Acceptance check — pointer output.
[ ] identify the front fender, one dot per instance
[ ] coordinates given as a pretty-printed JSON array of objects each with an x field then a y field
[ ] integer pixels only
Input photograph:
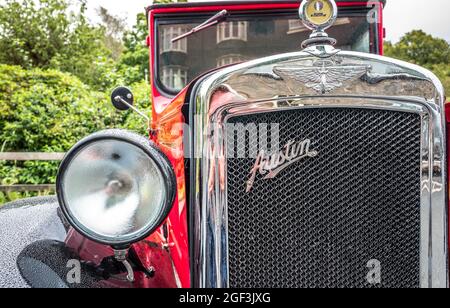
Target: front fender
[
  {"x": 34, "y": 252},
  {"x": 38, "y": 248},
  {"x": 23, "y": 223}
]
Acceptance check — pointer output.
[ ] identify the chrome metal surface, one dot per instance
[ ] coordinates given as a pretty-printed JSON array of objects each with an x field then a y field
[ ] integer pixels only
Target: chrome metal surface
[
  {"x": 121, "y": 256},
  {"x": 324, "y": 75},
  {"x": 318, "y": 28},
  {"x": 322, "y": 51},
  {"x": 319, "y": 36},
  {"x": 216, "y": 19},
  {"x": 108, "y": 187},
  {"x": 143, "y": 115},
  {"x": 115, "y": 187},
  {"x": 319, "y": 222},
  {"x": 270, "y": 165},
  {"x": 256, "y": 87}
]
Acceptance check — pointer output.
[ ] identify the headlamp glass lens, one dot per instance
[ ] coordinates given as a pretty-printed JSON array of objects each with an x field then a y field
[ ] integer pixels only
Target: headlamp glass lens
[{"x": 113, "y": 189}]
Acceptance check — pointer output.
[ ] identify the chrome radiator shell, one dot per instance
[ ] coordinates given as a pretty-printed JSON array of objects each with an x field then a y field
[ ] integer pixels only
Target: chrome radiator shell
[{"x": 369, "y": 81}]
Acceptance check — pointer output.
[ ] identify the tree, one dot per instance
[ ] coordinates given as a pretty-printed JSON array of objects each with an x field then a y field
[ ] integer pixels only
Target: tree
[
  {"x": 134, "y": 64},
  {"x": 56, "y": 73},
  {"x": 52, "y": 34},
  {"x": 425, "y": 50},
  {"x": 31, "y": 36},
  {"x": 45, "y": 111},
  {"x": 443, "y": 72},
  {"x": 420, "y": 48},
  {"x": 49, "y": 111},
  {"x": 114, "y": 28}
]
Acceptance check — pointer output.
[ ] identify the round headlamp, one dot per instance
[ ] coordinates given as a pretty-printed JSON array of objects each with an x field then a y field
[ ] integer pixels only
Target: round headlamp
[{"x": 115, "y": 187}]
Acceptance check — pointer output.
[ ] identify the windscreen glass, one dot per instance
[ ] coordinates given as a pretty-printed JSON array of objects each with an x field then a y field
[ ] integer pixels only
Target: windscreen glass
[{"x": 244, "y": 38}]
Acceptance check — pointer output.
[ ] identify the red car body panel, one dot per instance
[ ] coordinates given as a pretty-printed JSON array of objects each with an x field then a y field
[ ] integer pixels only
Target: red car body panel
[
  {"x": 167, "y": 250},
  {"x": 447, "y": 123},
  {"x": 167, "y": 113}
]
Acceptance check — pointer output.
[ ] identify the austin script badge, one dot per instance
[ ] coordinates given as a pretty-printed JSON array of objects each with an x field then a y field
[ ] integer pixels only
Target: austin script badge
[{"x": 270, "y": 165}]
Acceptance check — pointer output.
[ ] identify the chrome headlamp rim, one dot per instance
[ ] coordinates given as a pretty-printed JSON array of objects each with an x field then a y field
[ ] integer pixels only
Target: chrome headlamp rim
[{"x": 152, "y": 151}]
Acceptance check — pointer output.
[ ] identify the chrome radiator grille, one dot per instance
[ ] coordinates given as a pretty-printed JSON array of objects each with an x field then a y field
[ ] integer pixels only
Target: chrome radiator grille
[{"x": 324, "y": 219}]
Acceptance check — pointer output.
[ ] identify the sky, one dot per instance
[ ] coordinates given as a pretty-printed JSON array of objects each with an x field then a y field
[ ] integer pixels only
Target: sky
[{"x": 400, "y": 16}]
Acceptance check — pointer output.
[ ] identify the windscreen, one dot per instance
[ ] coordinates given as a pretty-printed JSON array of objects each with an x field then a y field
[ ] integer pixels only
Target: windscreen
[{"x": 243, "y": 38}]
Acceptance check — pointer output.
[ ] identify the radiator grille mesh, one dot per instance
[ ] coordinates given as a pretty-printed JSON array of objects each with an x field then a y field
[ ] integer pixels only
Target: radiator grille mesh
[{"x": 320, "y": 222}]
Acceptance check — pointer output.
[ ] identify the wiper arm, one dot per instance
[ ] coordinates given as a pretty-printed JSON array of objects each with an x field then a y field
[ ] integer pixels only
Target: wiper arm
[{"x": 219, "y": 17}]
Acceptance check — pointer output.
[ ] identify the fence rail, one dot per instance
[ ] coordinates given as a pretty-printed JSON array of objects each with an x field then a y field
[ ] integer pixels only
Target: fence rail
[
  {"x": 20, "y": 156},
  {"x": 27, "y": 188},
  {"x": 32, "y": 156}
]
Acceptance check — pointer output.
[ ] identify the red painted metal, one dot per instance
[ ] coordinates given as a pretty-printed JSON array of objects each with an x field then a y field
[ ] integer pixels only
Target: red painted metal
[
  {"x": 167, "y": 250},
  {"x": 381, "y": 29},
  {"x": 160, "y": 100},
  {"x": 150, "y": 253},
  {"x": 163, "y": 107},
  {"x": 447, "y": 116},
  {"x": 168, "y": 125}
]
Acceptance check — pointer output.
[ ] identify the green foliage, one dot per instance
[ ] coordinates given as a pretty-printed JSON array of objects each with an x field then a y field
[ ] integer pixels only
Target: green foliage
[
  {"x": 442, "y": 71},
  {"x": 32, "y": 36},
  {"x": 420, "y": 48},
  {"x": 44, "y": 34},
  {"x": 425, "y": 50},
  {"x": 45, "y": 111},
  {"x": 132, "y": 120},
  {"x": 134, "y": 63},
  {"x": 58, "y": 71},
  {"x": 12, "y": 196},
  {"x": 114, "y": 28},
  {"x": 49, "y": 111},
  {"x": 37, "y": 104}
]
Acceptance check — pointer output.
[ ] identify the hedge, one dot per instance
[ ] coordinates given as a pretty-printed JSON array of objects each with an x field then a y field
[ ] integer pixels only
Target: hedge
[{"x": 49, "y": 111}]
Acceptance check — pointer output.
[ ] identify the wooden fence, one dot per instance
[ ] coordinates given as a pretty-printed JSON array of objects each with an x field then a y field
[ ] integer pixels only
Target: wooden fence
[{"x": 29, "y": 157}]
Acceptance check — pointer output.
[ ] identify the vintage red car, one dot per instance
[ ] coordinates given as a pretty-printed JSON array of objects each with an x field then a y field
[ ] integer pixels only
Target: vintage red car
[{"x": 275, "y": 158}]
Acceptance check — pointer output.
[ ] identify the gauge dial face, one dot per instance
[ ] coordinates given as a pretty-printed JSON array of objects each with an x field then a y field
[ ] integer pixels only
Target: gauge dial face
[{"x": 318, "y": 14}]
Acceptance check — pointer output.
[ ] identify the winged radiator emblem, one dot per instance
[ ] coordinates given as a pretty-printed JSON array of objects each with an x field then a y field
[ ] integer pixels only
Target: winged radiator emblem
[{"x": 324, "y": 76}]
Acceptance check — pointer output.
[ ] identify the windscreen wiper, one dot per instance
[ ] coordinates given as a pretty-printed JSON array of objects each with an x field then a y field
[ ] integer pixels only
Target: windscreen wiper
[{"x": 216, "y": 19}]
